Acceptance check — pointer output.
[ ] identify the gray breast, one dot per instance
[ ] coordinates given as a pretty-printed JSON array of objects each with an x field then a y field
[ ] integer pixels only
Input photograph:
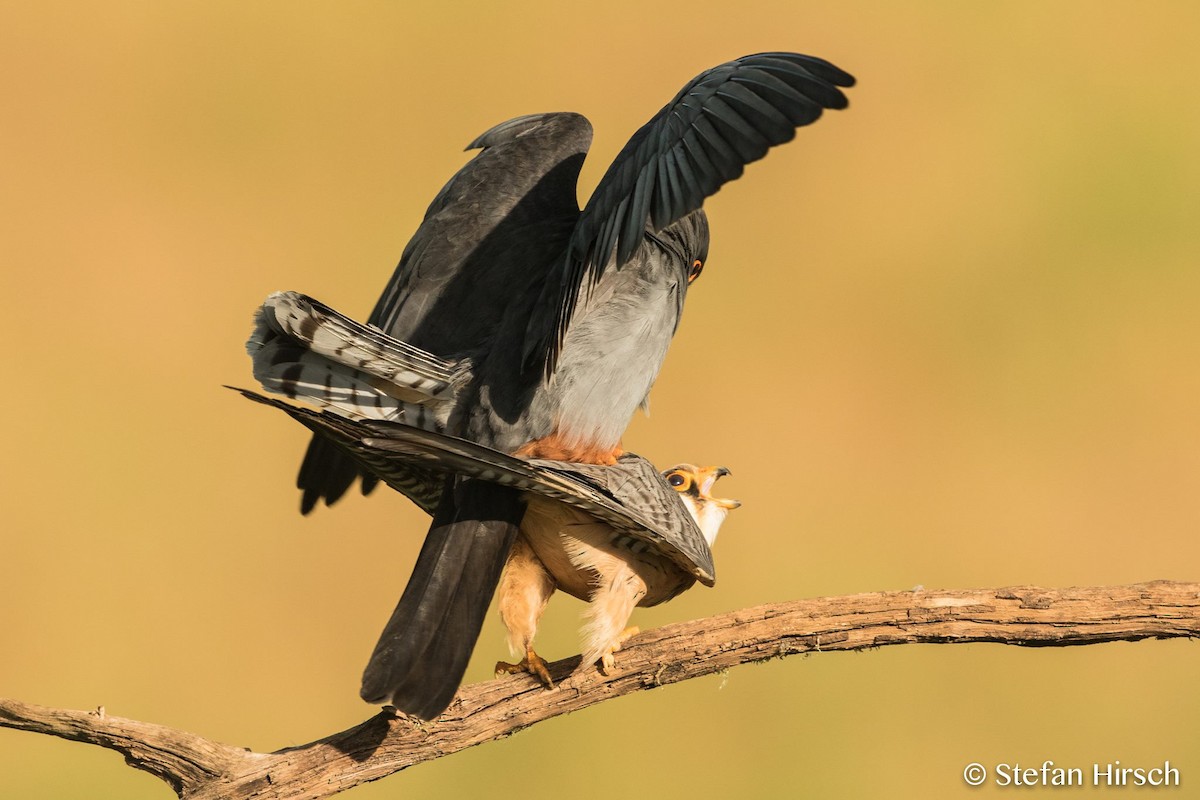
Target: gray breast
[{"x": 613, "y": 351}]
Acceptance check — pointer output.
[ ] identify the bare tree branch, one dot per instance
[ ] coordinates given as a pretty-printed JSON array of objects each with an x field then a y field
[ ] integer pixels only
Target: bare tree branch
[
  {"x": 1026, "y": 615},
  {"x": 182, "y": 759}
]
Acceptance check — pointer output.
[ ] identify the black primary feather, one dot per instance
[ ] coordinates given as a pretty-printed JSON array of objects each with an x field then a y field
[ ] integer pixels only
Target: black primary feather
[{"x": 722, "y": 120}]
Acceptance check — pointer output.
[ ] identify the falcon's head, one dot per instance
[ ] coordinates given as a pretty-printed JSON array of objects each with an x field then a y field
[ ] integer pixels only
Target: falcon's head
[{"x": 694, "y": 485}]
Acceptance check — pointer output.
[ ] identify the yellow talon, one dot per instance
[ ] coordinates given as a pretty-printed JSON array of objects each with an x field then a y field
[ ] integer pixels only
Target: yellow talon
[
  {"x": 531, "y": 663},
  {"x": 632, "y": 630},
  {"x": 607, "y": 661}
]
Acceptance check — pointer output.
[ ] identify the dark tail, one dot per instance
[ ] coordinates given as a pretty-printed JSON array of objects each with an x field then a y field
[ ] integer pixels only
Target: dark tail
[
  {"x": 326, "y": 473},
  {"x": 423, "y": 651}
]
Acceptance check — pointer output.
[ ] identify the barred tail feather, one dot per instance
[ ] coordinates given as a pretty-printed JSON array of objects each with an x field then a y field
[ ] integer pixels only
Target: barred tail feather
[
  {"x": 286, "y": 368},
  {"x": 305, "y": 350},
  {"x": 341, "y": 339}
]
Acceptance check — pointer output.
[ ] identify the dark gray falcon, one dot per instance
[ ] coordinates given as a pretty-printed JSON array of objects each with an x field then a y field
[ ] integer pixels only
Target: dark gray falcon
[
  {"x": 615, "y": 536},
  {"x": 556, "y": 319}
]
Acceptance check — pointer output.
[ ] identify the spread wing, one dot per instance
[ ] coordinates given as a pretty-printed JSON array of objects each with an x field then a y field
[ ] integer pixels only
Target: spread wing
[
  {"x": 506, "y": 214},
  {"x": 631, "y": 496},
  {"x": 722, "y": 120}
]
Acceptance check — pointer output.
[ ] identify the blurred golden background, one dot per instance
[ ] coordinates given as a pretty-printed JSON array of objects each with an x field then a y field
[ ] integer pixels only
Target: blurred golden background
[{"x": 963, "y": 315}]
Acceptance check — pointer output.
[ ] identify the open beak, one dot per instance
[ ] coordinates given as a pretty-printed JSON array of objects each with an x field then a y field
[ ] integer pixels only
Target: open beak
[{"x": 708, "y": 477}]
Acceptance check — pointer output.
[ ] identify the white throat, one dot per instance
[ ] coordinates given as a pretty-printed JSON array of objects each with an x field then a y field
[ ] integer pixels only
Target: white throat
[{"x": 708, "y": 517}]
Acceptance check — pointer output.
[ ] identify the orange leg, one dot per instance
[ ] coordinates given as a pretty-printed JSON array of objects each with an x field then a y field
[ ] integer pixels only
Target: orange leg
[{"x": 525, "y": 588}]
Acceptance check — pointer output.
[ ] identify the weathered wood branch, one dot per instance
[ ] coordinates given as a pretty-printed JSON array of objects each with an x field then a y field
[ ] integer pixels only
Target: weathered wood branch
[{"x": 1026, "y": 615}]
